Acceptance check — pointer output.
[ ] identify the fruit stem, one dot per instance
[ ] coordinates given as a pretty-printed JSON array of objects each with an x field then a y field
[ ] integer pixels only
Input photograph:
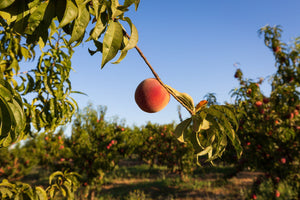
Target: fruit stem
[{"x": 157, "y": 77}]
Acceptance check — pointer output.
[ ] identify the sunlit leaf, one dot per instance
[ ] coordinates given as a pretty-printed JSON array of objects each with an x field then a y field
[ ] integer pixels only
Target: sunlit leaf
[
  {"x": 133, "y": 36},
  {"x": 99, "y": 27},
  {"x": 184, "y": 97},
  {"x": 36, "y": 17},
  {"x": 80, "y": 24},
  {"x": 112, "y": 42},
  {"x": 205, "y": 151},
  {"x": 70, "y": 13}
]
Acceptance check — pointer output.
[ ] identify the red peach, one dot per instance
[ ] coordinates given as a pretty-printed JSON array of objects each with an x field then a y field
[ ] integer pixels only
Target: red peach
[
  {"x": 283, "y": 160},
  {"x": 258, "y": 103},
  {"x": 277, "y": 193},
  {"x": 151, "y": 96}
]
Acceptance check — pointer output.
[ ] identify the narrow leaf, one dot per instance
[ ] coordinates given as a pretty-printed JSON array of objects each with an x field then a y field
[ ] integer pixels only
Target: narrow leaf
[
  {"x": 205, "y": 151},
  {"x": 35, "y": 18},
  {"x": 112, "y": 42},
  {"x": 180, "y": 129},
  {"x": 5, "y": 3},
  {"x": 99, "y": 27},
  {"x": 81, "y": 23},
  {"x": 70, "y": 14},
  {"x": 184, "y": 97},
  {"x": 133, "y": 37}
]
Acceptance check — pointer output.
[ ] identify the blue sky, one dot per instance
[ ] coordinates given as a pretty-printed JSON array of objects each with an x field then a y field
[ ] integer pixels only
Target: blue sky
[{"x": 193, "y": 46}]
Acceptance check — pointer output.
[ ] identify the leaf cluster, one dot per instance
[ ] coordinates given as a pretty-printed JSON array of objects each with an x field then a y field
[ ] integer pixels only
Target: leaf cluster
[
  {"x": 65, "y": 183},
  {"x": 209, "y": 126},
  {"x": 33, "y": 19}
]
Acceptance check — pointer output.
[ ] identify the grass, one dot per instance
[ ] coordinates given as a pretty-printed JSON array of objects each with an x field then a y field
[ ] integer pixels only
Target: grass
[
  {"x": 140, "y": 182},
  {"x": 143, "y": 182}
]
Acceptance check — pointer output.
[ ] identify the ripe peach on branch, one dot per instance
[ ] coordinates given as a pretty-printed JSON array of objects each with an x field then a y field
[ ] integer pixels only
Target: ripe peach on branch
[{"x": 151, "y": 96}]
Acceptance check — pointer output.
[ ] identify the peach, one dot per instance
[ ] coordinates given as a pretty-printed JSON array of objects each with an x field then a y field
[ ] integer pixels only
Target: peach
[{"x": 151, "y": 96}]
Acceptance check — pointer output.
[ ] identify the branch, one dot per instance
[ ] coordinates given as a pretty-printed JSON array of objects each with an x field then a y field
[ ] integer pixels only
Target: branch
[{"x": 158, "y": 78}]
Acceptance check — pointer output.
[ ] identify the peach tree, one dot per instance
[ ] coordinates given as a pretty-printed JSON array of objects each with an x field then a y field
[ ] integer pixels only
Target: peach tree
[
  {"x": 270, "y": 123},
  {"x": 57, "y": 27},
  {"x": 160, "y": 147}
]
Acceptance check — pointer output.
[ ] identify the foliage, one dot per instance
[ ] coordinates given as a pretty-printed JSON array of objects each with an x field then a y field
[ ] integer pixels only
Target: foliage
[
  {"x": 65, "y": 183},
  {"x": 15, "y": 163},
  {"x": 32, "y": 19},
  {"x": 49, "y": 83},
  {"x": 160, "y": 147},
  {"x": 211, "y": 126},
  {"x": 269, "y": 124}
]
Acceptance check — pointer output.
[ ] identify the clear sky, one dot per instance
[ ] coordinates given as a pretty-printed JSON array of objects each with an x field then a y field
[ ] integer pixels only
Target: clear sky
[{"x": 193, "y": 46}]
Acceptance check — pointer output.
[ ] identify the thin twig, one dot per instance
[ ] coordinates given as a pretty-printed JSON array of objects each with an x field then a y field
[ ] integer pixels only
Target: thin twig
[{"x": 157, "y": 77}]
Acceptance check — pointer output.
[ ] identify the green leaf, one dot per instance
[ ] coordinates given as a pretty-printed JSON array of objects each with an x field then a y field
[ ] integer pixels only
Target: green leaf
[
  {"x": 122, "y": 56},
  {"x": 5, "y": 3},
  {"x": 60, "y": 8},
  {"x": 12, "y": 114},
  {"x": 196, "y": 143},
  {"x": 30, "y": 84},
  {"x": 137, "y": 2},
  {"x": 35, "y": 18},
  {"x": 128, "y": 3},
  {"x": 200, "y": 123},
  {"x": 112, "y": 42},
  {"x": 186, "y": 99},
  {"x": 80, "y": 24},
  {"x": 123, "y": 53},
  {"x": 6, "y": 116},
  {"x": 181, "y": 128},
  {"x": 99, "y": 27},
  {"x": 205, "y": 151},
  {"x": 115, "y": 9},
  {"x": 133, "y": 37},
  {"x": 220, "y": 118},
  {"x": 18, "y": 115},
  {"x": 70, "y": 13},
  {"x": 54, "y": 176},
  {"x": 99, "y": 47}
]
